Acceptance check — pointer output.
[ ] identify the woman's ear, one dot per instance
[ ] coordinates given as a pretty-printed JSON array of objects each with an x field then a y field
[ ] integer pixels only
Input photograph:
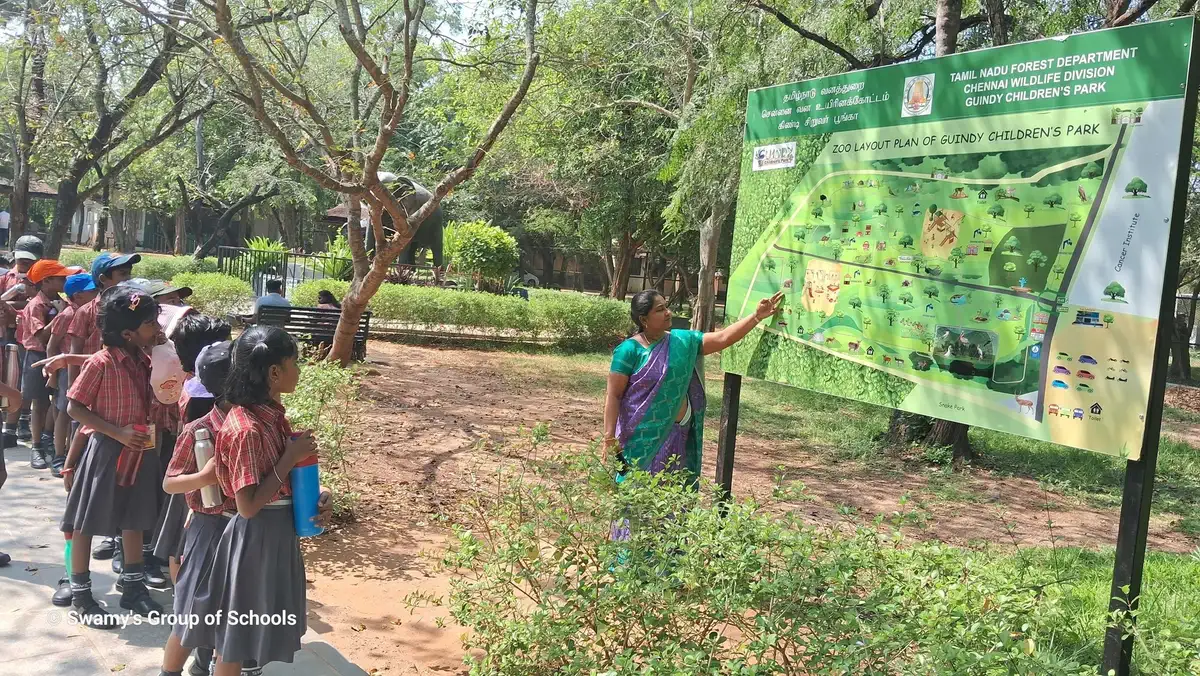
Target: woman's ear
[{"x": 128, "y": 336}]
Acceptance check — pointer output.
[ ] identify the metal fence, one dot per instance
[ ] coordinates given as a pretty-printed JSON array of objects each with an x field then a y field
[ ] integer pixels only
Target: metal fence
[{"x": 257, "y": 267}]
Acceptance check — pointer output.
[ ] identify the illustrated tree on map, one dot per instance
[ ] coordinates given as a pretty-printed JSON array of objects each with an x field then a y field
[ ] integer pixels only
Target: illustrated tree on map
[
  {"x": 1114, "y": 291},
  {"x": 884, "y": 292},
  {"x": 1028, "y": 210},
  {"x": 996, "y": 211},
  {"x": 1059, "y": 271},
  {"x": 956, "y": 255},
  {"x": 1037, "y": 259},
  {"x": 1053, "y": 200},
  {"x": 906, "y": 241},
  {"x": 866, "y": 323},
  {"x": 1108, "y": 320},
  {"x": 856, "y": 303},
  {"x": 817, "y": 212},
  {"x": 836, "y": 245},
  {"x": 1136, "y": 187},
  {"x": 987, "y": 230},
  {"x": 997, "y": 300},
  {"x": 917, "y": 261},
  {"x": 1075, "y": 217},
  {"x": 1019, "y": 331},
  {"x": 881, "y": 209},
  {"x": 891, "y": 317},
  {"x": 1012, "y": 244},
  {"x": 1010, "y": 267},
  {"x": 906, "y": 298},
  {"x": 931, "y": 291},
  {"x": 1092, "y": 170},
  {"x": 899, "y": 208},
  {"x": 933, "y": 208}
]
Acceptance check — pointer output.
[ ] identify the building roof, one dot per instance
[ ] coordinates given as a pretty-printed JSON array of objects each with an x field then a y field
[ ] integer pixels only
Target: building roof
[{"x": 36, "y": 188}]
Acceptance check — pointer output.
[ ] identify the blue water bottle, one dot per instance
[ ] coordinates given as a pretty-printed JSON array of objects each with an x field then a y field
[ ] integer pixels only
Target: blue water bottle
[{"x": 306, "y": 490}]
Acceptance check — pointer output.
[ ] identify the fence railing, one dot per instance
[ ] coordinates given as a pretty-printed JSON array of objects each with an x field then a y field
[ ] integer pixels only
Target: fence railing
[{"x": 257, "y": 267}]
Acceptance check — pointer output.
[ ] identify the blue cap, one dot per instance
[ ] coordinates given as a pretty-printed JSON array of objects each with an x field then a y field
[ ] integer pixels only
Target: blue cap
[
  {"x": 106, "y": 261},
  {"x": 79, "y": 283}
]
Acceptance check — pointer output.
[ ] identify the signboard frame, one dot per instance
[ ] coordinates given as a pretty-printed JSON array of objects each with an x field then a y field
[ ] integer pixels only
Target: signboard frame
[{"x": 1137, "y": 495}]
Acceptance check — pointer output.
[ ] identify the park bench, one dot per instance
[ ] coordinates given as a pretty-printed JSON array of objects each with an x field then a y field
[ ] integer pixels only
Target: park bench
[{"x": 315, "y": 326}]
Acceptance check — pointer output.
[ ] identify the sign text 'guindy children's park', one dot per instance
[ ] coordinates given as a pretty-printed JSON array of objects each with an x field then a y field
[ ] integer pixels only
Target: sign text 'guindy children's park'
[{"x": 979, "y": 237}]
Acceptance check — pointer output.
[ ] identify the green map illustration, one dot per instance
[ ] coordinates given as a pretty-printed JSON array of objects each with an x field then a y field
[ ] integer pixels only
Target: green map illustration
[{"x": 1003, "y": 270}]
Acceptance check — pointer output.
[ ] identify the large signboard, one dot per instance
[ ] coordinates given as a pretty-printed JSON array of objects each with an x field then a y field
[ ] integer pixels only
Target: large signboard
[{"x": 980, "y": 237}]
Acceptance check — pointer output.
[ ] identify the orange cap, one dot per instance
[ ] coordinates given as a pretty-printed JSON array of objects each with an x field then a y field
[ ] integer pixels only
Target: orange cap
[{"x": 44, "y": 268}]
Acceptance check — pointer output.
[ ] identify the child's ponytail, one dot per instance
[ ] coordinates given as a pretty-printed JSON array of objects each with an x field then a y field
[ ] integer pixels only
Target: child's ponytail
[{"x": 254, "y": 353}]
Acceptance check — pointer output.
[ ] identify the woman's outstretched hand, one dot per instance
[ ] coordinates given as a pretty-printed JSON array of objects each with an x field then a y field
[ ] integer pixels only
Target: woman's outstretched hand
[{"x": 768, "y": 306}]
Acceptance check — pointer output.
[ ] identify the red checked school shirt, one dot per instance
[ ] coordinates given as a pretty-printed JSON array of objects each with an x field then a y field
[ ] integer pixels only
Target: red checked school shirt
[
  {"x": 59, "y": 326},
  {"x": 115, "y": 385},
  {"x": 37, "y": 315},
  {"x": 184, "y": 459},
  {"x": 248, "y": 446},
  {"x": 7, "y": 281},
  {"x": 84, "y": 326}
]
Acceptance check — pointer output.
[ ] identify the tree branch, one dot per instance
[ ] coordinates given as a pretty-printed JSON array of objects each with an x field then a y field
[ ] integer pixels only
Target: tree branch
[
  {"x": 1131, "y": 14},
  {"x": 854, "y": 62},
  {"x": 1186, "y": 8},
  {"x": 641, "y": 104}
]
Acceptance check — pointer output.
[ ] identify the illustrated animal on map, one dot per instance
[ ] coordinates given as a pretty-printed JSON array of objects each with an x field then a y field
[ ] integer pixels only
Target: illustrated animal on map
[
  {"x": 853, "y": 346},
  {"x": 887, "y": 360},
  {"x": 1023, "y": 404}
]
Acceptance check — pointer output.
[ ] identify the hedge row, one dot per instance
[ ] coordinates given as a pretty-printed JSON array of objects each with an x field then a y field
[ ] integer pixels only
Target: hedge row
[
  {"x": 152, "y": 266},
  {"x": 570, "y": 320},
  {"x": 216, "y": 294}
]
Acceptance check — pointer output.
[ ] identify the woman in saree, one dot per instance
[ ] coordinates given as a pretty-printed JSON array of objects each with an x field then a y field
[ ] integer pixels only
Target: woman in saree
[{"x": 654, "y": 410}]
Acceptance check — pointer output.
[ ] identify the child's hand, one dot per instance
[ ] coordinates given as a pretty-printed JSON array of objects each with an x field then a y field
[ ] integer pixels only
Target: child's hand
[
  {"x": 68, "y": 479},
  {"x": 300, "y": 446},
  {"x": 324, "y": 509},
  {"x": 132, "y": 438},
  {"x": 209, "y": 473}
]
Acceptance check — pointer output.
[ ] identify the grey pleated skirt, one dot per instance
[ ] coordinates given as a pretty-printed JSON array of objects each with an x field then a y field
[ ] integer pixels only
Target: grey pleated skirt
[
  {"x": 257, "y": 569},
  {"x": 96, "y": 505},
  {"x": 200, "y": 542},
  {"x": 168, "y": 534}
]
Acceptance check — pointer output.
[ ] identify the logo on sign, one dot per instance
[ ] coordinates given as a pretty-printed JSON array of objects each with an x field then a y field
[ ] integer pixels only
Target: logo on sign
[
  {"x": 777, "y": 156},
  {"x": 918, "y": 96}
]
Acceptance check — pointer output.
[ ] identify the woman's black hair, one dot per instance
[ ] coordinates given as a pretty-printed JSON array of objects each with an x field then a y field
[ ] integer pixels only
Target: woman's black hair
[
  {"x": 123, "y": 308},
  {"x": 327, "y": 298},
  {"x": 193, "y": 333},
  {"x": 254, "y": 353},
  {"x": 641, "y": 305}
]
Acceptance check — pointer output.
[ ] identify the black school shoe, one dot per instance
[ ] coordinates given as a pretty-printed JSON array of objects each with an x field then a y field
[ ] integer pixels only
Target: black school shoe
[
  {"x": 62, "y": 596},
  {"x": 135, "y": 597},
  {"x": 154, "y": 574},
  {"x": 107, "y": 548},
  {"x": 202, "y": 664},
  {"x": 23, "y": 431},
  {"x": 91, "y": 614},
  {"x": 9, "y": 440},
  {"x": 56, "y": 466},
  {"x": 5, "y": 559},
  {"x": 118, "y": 560},
  {"x": 37, "y": 458}
]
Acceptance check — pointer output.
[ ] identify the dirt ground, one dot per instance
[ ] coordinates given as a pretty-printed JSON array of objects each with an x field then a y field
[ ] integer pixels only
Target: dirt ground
[{"x": 426, "y": 420}]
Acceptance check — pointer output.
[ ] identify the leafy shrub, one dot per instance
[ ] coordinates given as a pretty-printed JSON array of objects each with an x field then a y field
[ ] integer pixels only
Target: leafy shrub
[
  {"x": 325, "y": 401},
  {"x": 484, "y": 250},
  {"x": 572, "y": 320},
  {"x": 264, "y": 253},
  {"x": 338, "y": 263},
  {"x": 168, "y": 267},
  {"x": 216, "y": 294},
  {"x": 698, "y": 589},
  {"x": 152, "y": 266}
]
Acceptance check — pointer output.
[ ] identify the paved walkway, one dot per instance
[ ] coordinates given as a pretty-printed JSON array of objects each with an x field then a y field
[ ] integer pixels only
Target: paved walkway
[{"x": 35, "y": 637}]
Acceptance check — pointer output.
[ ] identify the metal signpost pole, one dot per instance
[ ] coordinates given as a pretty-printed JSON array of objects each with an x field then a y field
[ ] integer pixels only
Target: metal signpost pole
[
  {"x": 730, "y": 402},
  {"x": 1139, "y": 474}
]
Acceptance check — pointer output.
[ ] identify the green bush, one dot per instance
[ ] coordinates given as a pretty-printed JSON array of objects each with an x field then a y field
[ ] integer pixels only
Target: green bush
[
  {"x": 264, "y": 253},
  {"x": 216, "y": 294},
  {"x": 572, "y": 320},
  {"x": 325, "y": 401},
  {"x": 484, "y": 250},
  {"x": 702, "y": 589},
  {"x": 152, "y": 266},
  {"x": 339, "y": 264}
]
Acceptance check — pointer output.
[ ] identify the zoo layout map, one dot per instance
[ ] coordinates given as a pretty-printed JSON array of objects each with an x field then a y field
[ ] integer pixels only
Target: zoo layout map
[{"x": 979, "y": 238}]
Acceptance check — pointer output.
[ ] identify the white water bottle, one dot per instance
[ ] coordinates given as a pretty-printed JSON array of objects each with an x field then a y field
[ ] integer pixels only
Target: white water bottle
[{"x": 210, "y": 496}]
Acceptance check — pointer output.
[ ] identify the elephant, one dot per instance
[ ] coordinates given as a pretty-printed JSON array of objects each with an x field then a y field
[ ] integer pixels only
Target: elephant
[{"x": 412, "y": 196}]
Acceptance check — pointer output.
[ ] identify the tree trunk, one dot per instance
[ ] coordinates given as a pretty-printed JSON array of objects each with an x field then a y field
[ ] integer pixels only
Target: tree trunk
[
  {"x": 353, "y": 306},
  {"x": 706, "y": 293},
  {"x": 907, "y": 428},
  {"x": 622, "y": 267},
  {"x": 19, "y": 209},
  {"x": 227, "y": 217},
  {"x": 64, "y": 210}
]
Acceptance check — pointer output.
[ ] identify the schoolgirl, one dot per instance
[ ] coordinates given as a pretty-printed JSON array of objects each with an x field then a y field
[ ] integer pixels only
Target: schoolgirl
[
  {"x": 258, "y": 568},
  {"x": 193, "y": 333},
  {"x": 205, "y": 525},
  {"x": 46, "y": 277},
  {"x": 114, "y": 486},
  {"x": 80, "y": 290}
]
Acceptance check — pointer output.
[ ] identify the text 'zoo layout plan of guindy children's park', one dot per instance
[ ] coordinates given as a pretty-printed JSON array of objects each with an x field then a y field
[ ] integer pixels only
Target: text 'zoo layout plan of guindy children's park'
[{"x": 979, "y": 238}]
